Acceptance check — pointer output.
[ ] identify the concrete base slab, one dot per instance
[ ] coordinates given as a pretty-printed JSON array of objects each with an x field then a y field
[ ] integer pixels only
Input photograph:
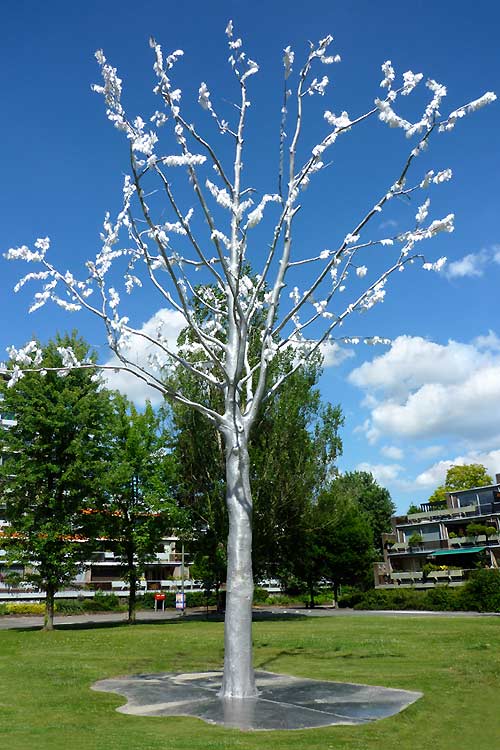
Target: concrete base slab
[{"x": 284, "y": 702}]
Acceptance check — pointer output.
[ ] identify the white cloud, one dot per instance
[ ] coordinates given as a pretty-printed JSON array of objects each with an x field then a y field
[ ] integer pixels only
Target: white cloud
[
  {"x": 433, "y": 476},
  {"x": 333, "y": 354},
  {"x": 436, "y": 474},
  {"x": 388, "y": 224},
  {"x": 466, "y": 409},
  {"x": 426, "y": 389},
  {"x": 491, "y": 341},
  {"x": 473, "y": 264},
  {"x": 392, "y": 451},
  {"x": 429, "y": 451},
  {"x": 383, "y": 473},
  {"x": 413, "y": 361},
  {"x": 170, "y": 323}
]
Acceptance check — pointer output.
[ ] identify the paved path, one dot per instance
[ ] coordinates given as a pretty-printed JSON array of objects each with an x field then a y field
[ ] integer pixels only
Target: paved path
[
  {"x": 330, "y": 612},
  {"x": 10, "y": 623},
  {"x": 34, "y": 621}
]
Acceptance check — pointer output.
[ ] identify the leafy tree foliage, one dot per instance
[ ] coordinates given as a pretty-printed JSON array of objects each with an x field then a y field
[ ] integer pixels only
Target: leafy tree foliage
[
  {"x": 360, "y": 487},
  {"x": 478, "y": 529},
  {"x": 438, "y": 497},
  {"x": 292, "y": 453},
  {"x": 200, "y": 484},
  {"x": 139, "y": 510},
  {"x": 461, "y": 478},
  {"x": 464, "y": 477},
  {"x": 337, "y": 544},
  {"x": 55, "y": 470},
  {"x": 415, "y": 539}
]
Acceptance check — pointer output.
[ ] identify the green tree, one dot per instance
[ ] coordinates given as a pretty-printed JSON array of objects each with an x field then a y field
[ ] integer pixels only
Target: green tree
[
  {"x": 140, "y": 509},
  {"x": 293, "y": 451},
  {"x": 55, "y": 472},
  {"x": 200, "y": 484},
  {"x": 415, "y": 540},
  {"x": 480, "y": 529},
  {"x": 461, "y": 478},
  {"x": 438, "y": 497},
  {"x": 466, "y": 476},
  {"x": 337, "y": 544},
  {"x": 293, "y": 455},
  {"x": 360, "y": 487}
]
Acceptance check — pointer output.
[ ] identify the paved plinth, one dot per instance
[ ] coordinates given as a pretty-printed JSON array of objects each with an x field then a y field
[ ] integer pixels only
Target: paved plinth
[{"x": 284, "y": 702}]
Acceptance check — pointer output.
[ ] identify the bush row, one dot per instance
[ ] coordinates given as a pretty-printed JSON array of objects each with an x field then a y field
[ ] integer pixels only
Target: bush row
[
  {"x": 99, "y": 603},
  {"x": 103, "y": 602},
  {"x": 481, "y": 593}
]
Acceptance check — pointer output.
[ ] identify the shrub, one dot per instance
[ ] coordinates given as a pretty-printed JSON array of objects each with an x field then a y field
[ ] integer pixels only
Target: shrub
[
  {"x": 260, "y": 595},
  {"x": 25, "y": 608},
  {"x": 283, "y": 600},
  {"x": 443, "y": 598},
  {"x": 392, "y": 599},
  {"x": 193, "y": 599},
  {"x": 351, "y": 598},
  {"x": 147, "y": 600},
  {"x": 415, "y": 540},
  {"x": 102, "y": 602},
  {"x": 70, "y": 606},
  {"x": 482, "y": 591}
]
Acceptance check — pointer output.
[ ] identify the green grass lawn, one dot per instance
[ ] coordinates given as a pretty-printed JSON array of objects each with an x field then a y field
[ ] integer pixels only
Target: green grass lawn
[{"x": 46, "y": 701}]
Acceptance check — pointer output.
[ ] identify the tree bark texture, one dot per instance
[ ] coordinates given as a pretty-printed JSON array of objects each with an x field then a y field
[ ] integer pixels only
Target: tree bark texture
[
  {"x": 132, "y": 597},
  {"x": 48, "y": 619}
]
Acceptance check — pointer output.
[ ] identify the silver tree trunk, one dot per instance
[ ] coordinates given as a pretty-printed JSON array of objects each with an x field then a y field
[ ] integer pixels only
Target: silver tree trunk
[{"x": 238, "y": 680}]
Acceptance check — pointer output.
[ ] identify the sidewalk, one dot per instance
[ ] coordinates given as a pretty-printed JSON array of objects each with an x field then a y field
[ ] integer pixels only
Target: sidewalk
[{"x": 8, "y": 622}]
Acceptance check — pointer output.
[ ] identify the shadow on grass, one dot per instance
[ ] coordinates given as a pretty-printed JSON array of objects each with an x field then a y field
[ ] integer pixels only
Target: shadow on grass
[
  {"x": 279, "y": 616},
  {"x": 258, "y": 616},
  {"x": 266, "y": 663}
]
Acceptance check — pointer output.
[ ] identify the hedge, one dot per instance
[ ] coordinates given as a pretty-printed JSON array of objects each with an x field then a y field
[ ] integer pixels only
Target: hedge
[{"x": 480, "y": 593}]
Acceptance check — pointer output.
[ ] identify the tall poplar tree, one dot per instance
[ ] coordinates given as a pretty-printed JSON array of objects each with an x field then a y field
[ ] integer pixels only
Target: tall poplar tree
[
  {"x": 292, "y": 451},
  {"x": 139, "y": 510}
]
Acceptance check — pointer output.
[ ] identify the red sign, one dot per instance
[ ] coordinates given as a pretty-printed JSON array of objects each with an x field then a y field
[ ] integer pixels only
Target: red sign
[{"x": 159, "y": 597}]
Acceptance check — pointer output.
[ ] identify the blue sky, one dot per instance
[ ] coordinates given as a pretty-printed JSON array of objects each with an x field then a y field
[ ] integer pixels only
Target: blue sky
[{"x": 432, "y": 397}]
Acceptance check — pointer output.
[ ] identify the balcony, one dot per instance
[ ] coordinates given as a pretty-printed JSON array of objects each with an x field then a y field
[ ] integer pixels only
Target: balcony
[
  {"x": 472, "y": 541},
  {"x": 468, "y": 510},
  {"x": 455, "y": 544},
  {"x": 403, "y": 548},
  {"x": 415, "y": 579},
  {"x": 170, "y": 557}
]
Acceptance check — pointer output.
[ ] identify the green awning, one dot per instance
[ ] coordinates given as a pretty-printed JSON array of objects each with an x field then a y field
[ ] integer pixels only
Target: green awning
[{"x": 464, "y": 551}]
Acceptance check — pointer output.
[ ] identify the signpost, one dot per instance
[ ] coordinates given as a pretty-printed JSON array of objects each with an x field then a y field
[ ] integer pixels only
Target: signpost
[{"x": 160, "y": 599}]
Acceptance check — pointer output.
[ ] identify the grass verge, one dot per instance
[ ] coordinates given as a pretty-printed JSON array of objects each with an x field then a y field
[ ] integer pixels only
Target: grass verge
[{"x": 46, "y": 701}]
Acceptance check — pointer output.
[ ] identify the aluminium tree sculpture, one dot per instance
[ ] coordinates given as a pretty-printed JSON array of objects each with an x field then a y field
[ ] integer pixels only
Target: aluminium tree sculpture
[{"x": 223, "y": 302}]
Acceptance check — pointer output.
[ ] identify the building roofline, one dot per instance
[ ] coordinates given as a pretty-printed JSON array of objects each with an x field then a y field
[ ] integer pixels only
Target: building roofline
[{"x": 473, "y": 489}]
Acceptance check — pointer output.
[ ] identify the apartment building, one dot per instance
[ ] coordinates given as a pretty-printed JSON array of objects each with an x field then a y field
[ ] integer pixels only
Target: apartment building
[
  {"x": 105, "y": 569},
  {"x": 443, "y": 542}
]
